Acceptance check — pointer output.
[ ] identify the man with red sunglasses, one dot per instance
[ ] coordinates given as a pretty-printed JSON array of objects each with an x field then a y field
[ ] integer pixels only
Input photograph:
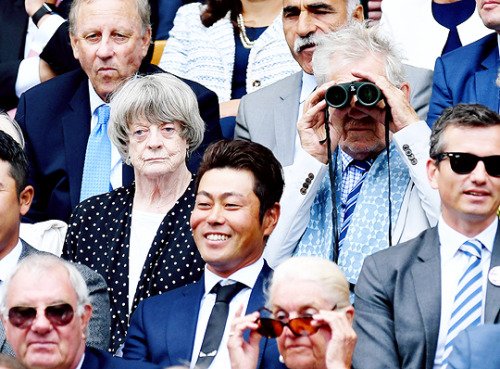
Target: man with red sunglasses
[
  {"x": 46, "y": 309},
  {"x": 412, "y": 300}
]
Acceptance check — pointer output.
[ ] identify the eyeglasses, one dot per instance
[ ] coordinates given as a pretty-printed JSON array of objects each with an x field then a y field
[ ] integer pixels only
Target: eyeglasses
[
  {"x": 464, "y": 163},
  {"x": 23, "y": 316},
  {"x": 272, "y": 328}
]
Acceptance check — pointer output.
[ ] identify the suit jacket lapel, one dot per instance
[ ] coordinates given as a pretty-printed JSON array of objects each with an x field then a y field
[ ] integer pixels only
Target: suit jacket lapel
[
  {"x": 76, "y": 130},
  {"x": 427, "y": 282},
  {"x": 285, "y": 116},
  {"x": 492, "y": 306},
  {"x": 186, "y": 308},
  {"x": 486, "y": 77}
]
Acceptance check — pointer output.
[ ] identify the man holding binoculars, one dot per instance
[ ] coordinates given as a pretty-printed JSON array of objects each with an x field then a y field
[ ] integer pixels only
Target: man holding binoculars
[{"x": 364, "y": 80}]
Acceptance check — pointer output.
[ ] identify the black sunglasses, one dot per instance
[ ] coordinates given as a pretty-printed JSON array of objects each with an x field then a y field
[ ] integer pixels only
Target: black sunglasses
[
  {"x": 23, "y": 316},
  {"x": 464, "y": 163},
  {"x": 272, "y": 328}
]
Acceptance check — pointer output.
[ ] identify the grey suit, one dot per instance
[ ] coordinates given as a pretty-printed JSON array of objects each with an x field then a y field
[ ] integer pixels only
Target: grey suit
[
  {"x": 99, "y": 332},
  {"x": 269, "y": 116},
  {"x": 398, "y": 304}
]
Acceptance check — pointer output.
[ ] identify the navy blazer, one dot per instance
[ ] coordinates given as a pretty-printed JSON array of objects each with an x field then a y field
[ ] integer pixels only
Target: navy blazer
[
  {"x": 162, "y": 329},
  {"x": 55, "y": 119},
  {"x": 466, "y": 75},
  {"x": 97, "y": 359}
]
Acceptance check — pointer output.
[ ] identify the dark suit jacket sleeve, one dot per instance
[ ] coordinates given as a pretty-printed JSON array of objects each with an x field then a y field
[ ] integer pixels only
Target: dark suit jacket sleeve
[
  {"x": 136, "y": 343},
  {"x": 58, "y": 52},
  {"x": 8, "y": 77},
  {"x": 440, "y": 98},
  {"x": 99, "y": 331},
  {"x": 373, "y": 321},
  {"x": 460, "y": 356}
]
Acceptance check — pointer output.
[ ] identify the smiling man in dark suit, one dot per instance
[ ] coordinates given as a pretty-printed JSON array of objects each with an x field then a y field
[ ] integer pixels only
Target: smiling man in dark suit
[
  {"x": 239, "y": 186},
  {"x": 413, "y": 299},
  {"x": 59, "y": 118}
]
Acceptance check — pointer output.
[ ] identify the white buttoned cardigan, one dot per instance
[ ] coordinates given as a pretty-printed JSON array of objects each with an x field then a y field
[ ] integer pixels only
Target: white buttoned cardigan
[{"x": 206, "y": 55}]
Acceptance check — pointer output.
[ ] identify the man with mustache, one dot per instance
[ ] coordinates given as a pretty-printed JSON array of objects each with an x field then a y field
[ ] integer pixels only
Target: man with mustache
[{"x": 361, "y": 169}]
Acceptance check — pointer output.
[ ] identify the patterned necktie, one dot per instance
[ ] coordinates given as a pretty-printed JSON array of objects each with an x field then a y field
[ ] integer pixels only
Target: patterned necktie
[
  {"x": 217, "y": 323},
  {"x": 469, "y": 296},
  {"x": 97, "y": 167},
  {"x": 364, "y": 166}
]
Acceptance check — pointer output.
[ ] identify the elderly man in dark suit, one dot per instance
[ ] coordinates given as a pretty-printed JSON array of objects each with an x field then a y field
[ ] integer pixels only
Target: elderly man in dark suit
[
  {"x": 413, "y": 299},
  {"x": 239, "y": 186},
  {"x": 64, "y": 120},
  {"x": 45, "y": 310},
  {"x": 15, "y": 200}
]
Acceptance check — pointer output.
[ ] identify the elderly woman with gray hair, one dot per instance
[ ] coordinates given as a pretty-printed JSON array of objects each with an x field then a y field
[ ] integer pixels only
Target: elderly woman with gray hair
[
  {"x": 309, "y": 314},
  {"x": 138, "y": 236}
]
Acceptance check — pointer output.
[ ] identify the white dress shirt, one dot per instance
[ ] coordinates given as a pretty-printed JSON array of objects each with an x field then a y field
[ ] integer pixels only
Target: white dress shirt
[
  {"x": 248, "y": 276},
  {"x": 116, "y": 160},
  {"x": 453, "y": 265},
  {"x": 9, "y": 261}
]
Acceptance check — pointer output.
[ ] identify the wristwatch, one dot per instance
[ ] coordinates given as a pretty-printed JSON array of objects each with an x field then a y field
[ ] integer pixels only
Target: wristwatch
[{"x": 44, "y": 9}]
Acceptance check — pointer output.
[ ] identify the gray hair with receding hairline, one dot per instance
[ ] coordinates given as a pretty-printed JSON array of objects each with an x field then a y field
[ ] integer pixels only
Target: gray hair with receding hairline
[
  {"x": 143, "y": 13},
  {"x": 353, "y": 43},
  {"x": 40, "y": 263},
  {"x": 325, "y": 273},
  {"x": 157, "y": 98}
]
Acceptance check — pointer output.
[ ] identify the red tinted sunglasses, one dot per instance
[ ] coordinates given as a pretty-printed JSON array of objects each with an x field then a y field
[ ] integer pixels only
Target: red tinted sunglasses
[
  {"x": 23, "y": 316},
  {"x": 272, "y": 328}
]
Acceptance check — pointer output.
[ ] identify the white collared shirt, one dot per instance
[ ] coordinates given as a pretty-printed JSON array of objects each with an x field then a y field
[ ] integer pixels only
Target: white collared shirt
[
  {"x": 453, "y": 266},
  {"x": 9, "y": 261},
  {"x": 308, "y": 86},
  {"x": 116, "y": 160},
  {"x": 248, "y": 276}
]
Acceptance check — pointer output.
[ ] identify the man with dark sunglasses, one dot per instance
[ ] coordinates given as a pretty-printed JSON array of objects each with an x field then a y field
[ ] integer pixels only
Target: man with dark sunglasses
[
  {"x": 46, "y": 309},
  {"x": 15, "y": 200},
  {"x": 412, "y": 300}
]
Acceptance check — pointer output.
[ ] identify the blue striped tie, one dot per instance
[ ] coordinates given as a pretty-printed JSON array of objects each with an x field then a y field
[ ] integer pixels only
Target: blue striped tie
[
  {"x": 97, "y": 166},
  {"x": 364, "y": 166},
  {"x": 468, "y": 300}
]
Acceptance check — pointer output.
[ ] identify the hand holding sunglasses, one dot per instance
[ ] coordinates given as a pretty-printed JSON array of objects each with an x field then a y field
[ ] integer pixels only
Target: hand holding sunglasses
[{"x": 24, "y": 316}]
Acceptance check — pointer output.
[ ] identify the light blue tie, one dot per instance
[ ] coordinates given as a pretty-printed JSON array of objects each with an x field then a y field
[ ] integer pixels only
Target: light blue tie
[
  {"x": 469, "y": 297},
  {"x": 97, "y": 167},
  {"x": 364, "y": 166}
]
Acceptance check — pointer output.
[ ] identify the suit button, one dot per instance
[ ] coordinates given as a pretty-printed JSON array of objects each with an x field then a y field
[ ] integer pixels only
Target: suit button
[
  {"x": 303, "y": 191},
  {"x": 414, "y": 161},
  {"x": 406, "y": 147},
  {"x": 308, "y": 180},
  {"x": 305, "y": 185},
  {"x": 310, "y": 175},
  {"x": 256, "y": 83}
]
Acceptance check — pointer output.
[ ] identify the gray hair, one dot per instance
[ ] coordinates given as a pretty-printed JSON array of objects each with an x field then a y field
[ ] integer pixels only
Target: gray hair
[
  {"x": 143, "y": 12},
  {"x": 353, "y": 43},
  {"x": 40, "y": 263},
  {"x": 157, "y": 98},
  {"x": 324, "y": 273},
  {"x": 460, "y": 115},
  {"x": 7, "y": 122}
]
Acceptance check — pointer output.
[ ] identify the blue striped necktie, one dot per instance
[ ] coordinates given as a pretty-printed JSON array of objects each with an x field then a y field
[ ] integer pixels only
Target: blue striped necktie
[
  {"x": 364, "y": 166},
  {"x": 97, "y": 166},
  {"x": 469, "y": 296}
]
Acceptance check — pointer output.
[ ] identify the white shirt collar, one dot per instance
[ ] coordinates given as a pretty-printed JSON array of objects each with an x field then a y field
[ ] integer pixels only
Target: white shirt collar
[
  {"x": 95, "y": 99},
  {"x": 247, "y": 275},
  {"x": 308, "y": 86},
  {"x": 9, "y": 262},
  {"x": 453, "y": 239}
]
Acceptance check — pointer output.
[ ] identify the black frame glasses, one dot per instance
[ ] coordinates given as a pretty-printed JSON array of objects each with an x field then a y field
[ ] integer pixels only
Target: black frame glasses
[
  {"x": 465, "y": 163},
  {"x": 58, "y": 315},
  {"x": 272, "y": 328}
]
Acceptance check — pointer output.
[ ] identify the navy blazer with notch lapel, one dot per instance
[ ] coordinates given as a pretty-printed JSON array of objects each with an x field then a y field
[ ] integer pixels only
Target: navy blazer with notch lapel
[
  {"x": 468, "y": 75},
  {"x": 55, "y": 119},
  {"x": 398, "y": 304},
  {"x": 163, "y": 327}
]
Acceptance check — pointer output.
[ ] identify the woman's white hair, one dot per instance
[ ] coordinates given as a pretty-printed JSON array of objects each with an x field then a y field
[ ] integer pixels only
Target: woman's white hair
[
  {"x": 355, "y": 42},
  {"x": 324, "y": 273}
]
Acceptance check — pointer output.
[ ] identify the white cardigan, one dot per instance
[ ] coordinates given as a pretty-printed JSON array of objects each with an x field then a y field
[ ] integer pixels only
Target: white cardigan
[
  {"x": 206, "y": 55},
  {"x": 419, "y": 35}
]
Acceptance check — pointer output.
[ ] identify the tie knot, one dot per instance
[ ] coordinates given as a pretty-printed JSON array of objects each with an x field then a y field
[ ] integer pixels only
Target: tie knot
[
  {"x": 472, "y": 248},
  {"x": 363, "y": 165},
  {"x": 103, "y": 114},
  {"x": 226, "y": 293}
]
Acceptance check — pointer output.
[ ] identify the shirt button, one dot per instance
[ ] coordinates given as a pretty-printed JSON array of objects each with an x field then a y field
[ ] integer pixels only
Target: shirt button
[{"x": 256, "y": 83}]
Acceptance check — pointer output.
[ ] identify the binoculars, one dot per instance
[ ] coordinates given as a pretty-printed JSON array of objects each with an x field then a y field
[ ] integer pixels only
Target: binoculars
[{"x": 339, "y": 96}]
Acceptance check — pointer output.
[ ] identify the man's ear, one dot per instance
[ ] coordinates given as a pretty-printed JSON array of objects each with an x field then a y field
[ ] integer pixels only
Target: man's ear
[
  {"x": 432, "y": 173},
  {"x": 25, "y": 199},
  {"x": 74, "y": 45},
  {"x": 349, "y": 312},
  {"x": 271, "y": 218},
  {"x": 146, "y": 39},
  {"x": 85, "y": 318},
  {"x": 405, "y": 87},
  {"x": 357, "y": 14}
]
